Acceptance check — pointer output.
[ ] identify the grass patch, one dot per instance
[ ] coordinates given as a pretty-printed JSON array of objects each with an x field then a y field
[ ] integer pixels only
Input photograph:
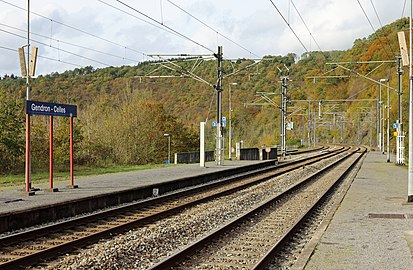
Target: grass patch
[{"x": 43, "y": 177}]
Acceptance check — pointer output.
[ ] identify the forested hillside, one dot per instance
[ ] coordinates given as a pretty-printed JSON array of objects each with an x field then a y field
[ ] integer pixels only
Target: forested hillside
[{"x": 123, "y": 114}]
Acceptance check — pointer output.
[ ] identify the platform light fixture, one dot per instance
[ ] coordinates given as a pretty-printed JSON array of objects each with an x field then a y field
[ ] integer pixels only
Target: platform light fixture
[
  {"x": 169, "y": 147},
  {"x": 230, "y": 121}
]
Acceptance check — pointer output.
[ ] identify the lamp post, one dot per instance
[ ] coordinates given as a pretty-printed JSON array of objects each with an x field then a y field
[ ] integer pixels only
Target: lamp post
[
  {"x": 382, "y": 116},
  {"x": 230, "y": 122},
  {"x": 388, "y": 122},
  {"x": 379, "y": 127},
  {"x": 169, "y": 146}
]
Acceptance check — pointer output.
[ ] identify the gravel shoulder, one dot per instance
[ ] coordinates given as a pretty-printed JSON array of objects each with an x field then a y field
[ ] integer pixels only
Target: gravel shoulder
[{"x": 143, "y": 247}]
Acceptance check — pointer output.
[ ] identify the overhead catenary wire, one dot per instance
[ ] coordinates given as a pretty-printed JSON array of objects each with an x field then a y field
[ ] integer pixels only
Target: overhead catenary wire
[
  {"x": 367, "y": 17},
  {"x": 186, "y": 72},
  {"x": 404, "y": 6},
  {"x": 167, "y": 27},
  {"x": 41, "y": 56},
  {"x": 381, "y": 25},
  {"x": 211, "y": 28},
  {"x": 302, "y": 19},
  {"x": 372, "y": 27},
  {"x": 69, "y": 43},
  {"x": 136, "y": 17},
  {"x": 47, "y": 45},
  {"x": 288, "y": 24},
  {"x": 74, "y": 28},
  {"x": 375, "y": 11},
  {"x": 9, "y": 49}
]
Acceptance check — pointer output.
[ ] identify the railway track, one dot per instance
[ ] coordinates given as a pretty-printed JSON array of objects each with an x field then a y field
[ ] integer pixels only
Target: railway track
[
  {"x": 253, "y": 239},
  {"x": 32, "y": 246}
]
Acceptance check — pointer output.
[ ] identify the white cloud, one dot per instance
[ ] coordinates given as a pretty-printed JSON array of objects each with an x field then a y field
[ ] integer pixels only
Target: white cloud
[{"x": 256, "y": 26}]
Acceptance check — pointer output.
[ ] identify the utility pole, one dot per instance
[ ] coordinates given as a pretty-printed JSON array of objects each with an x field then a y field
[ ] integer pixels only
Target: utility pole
[
  {"x": 284, "y": 81},
  {"x": 230, "y": 121},
  {"x": 371, "y": 127},
  {"x": 309, "y": 124},
  {"x": 314, "y": 128},
  {"x": 388, "y": 122},
  {"x": 378, "y": 134},
  {"x": 381, "y": 116},
  {"x": 410, "y": 174},
  {"x": 219, "y": 139},
  {"x": 379, "y": 120},
  {"x": 28, "y": 160},
  {"x": 400, "y": 135}
]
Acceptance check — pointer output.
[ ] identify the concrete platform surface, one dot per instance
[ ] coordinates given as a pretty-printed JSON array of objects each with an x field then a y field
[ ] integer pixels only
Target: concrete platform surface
[
  {"x": 373, "y": 227},
  {"x": 12, "y": 198}
]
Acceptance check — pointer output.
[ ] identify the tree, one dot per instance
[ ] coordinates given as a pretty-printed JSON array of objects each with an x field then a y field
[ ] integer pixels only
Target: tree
[{"x": 11, "y": 134}]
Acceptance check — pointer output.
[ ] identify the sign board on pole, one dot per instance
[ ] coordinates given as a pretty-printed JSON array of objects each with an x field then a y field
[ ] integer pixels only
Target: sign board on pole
[
  {"x": 22, "y": 58},
  {"x": 52, "y": 109},
  {"x": 32, "y": 68},
  {"x": 224, "y": 121},
  {"x": 395, "y": 125},
  {"x": 214, "y": 124},
  {"x": 403, "y": 48}
]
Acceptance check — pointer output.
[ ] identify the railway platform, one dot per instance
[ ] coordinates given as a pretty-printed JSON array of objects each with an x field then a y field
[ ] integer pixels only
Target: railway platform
[
  {"x": 373, "y": 226},
  {"x": 100, "y": 191}
]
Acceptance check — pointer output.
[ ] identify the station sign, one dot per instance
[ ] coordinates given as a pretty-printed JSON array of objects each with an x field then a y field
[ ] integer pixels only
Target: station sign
[
  {"x": 223, "y": 122},
  {"x": 52, "y": 109}
]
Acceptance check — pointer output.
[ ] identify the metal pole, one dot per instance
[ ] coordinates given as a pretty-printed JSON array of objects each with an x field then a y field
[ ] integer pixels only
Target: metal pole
[
  {"x": 388, "y": 122},
  {"x": 72, "y": 178},
  {"x": 230, "y": 122},
  {"x": 309, "y": 124},
  {"x": 378, "y": 121},
  {"x": 202, "y": 144},
  {"x": 28, "y": 161},
  {"x": 371, "y": 126},
  {"x": 382, "y": 127},
  {"x": 283, "y": 115},
  {"x": 51, "y": 152},
  {"x": 315, "y": 128},
  {"x": 410, "y": 175},
  {"x": 381, "y": 122},
  {"x": 28, "y": 52},
  {"x": 400, "y": 136},
  {"x": 219, "y": 156},
  {"x": 169, "y": 148},
  {"x": 27, "y": 165}
]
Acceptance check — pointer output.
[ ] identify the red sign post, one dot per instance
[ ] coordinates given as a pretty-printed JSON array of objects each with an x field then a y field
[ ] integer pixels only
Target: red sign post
[
  {"x": 50, "y": 109},
  {"x": 51, "y": 189},
  {"x": 72, "y": 180}
]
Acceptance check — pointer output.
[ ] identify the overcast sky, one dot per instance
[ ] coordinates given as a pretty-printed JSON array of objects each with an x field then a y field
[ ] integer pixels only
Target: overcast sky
[{"x": 104, "y": 33}]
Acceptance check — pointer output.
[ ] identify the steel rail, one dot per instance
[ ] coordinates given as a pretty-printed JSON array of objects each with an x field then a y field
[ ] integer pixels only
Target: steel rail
[
  {"x": 74, "y": 221},
  {"x": 65, "y": 246},
  {"x": 268, "y": 257},
  {"x": 179, "y": 256}
]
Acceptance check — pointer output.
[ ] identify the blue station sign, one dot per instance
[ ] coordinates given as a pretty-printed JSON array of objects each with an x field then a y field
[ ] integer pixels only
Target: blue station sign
[{"x": 53, "y": 109}]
